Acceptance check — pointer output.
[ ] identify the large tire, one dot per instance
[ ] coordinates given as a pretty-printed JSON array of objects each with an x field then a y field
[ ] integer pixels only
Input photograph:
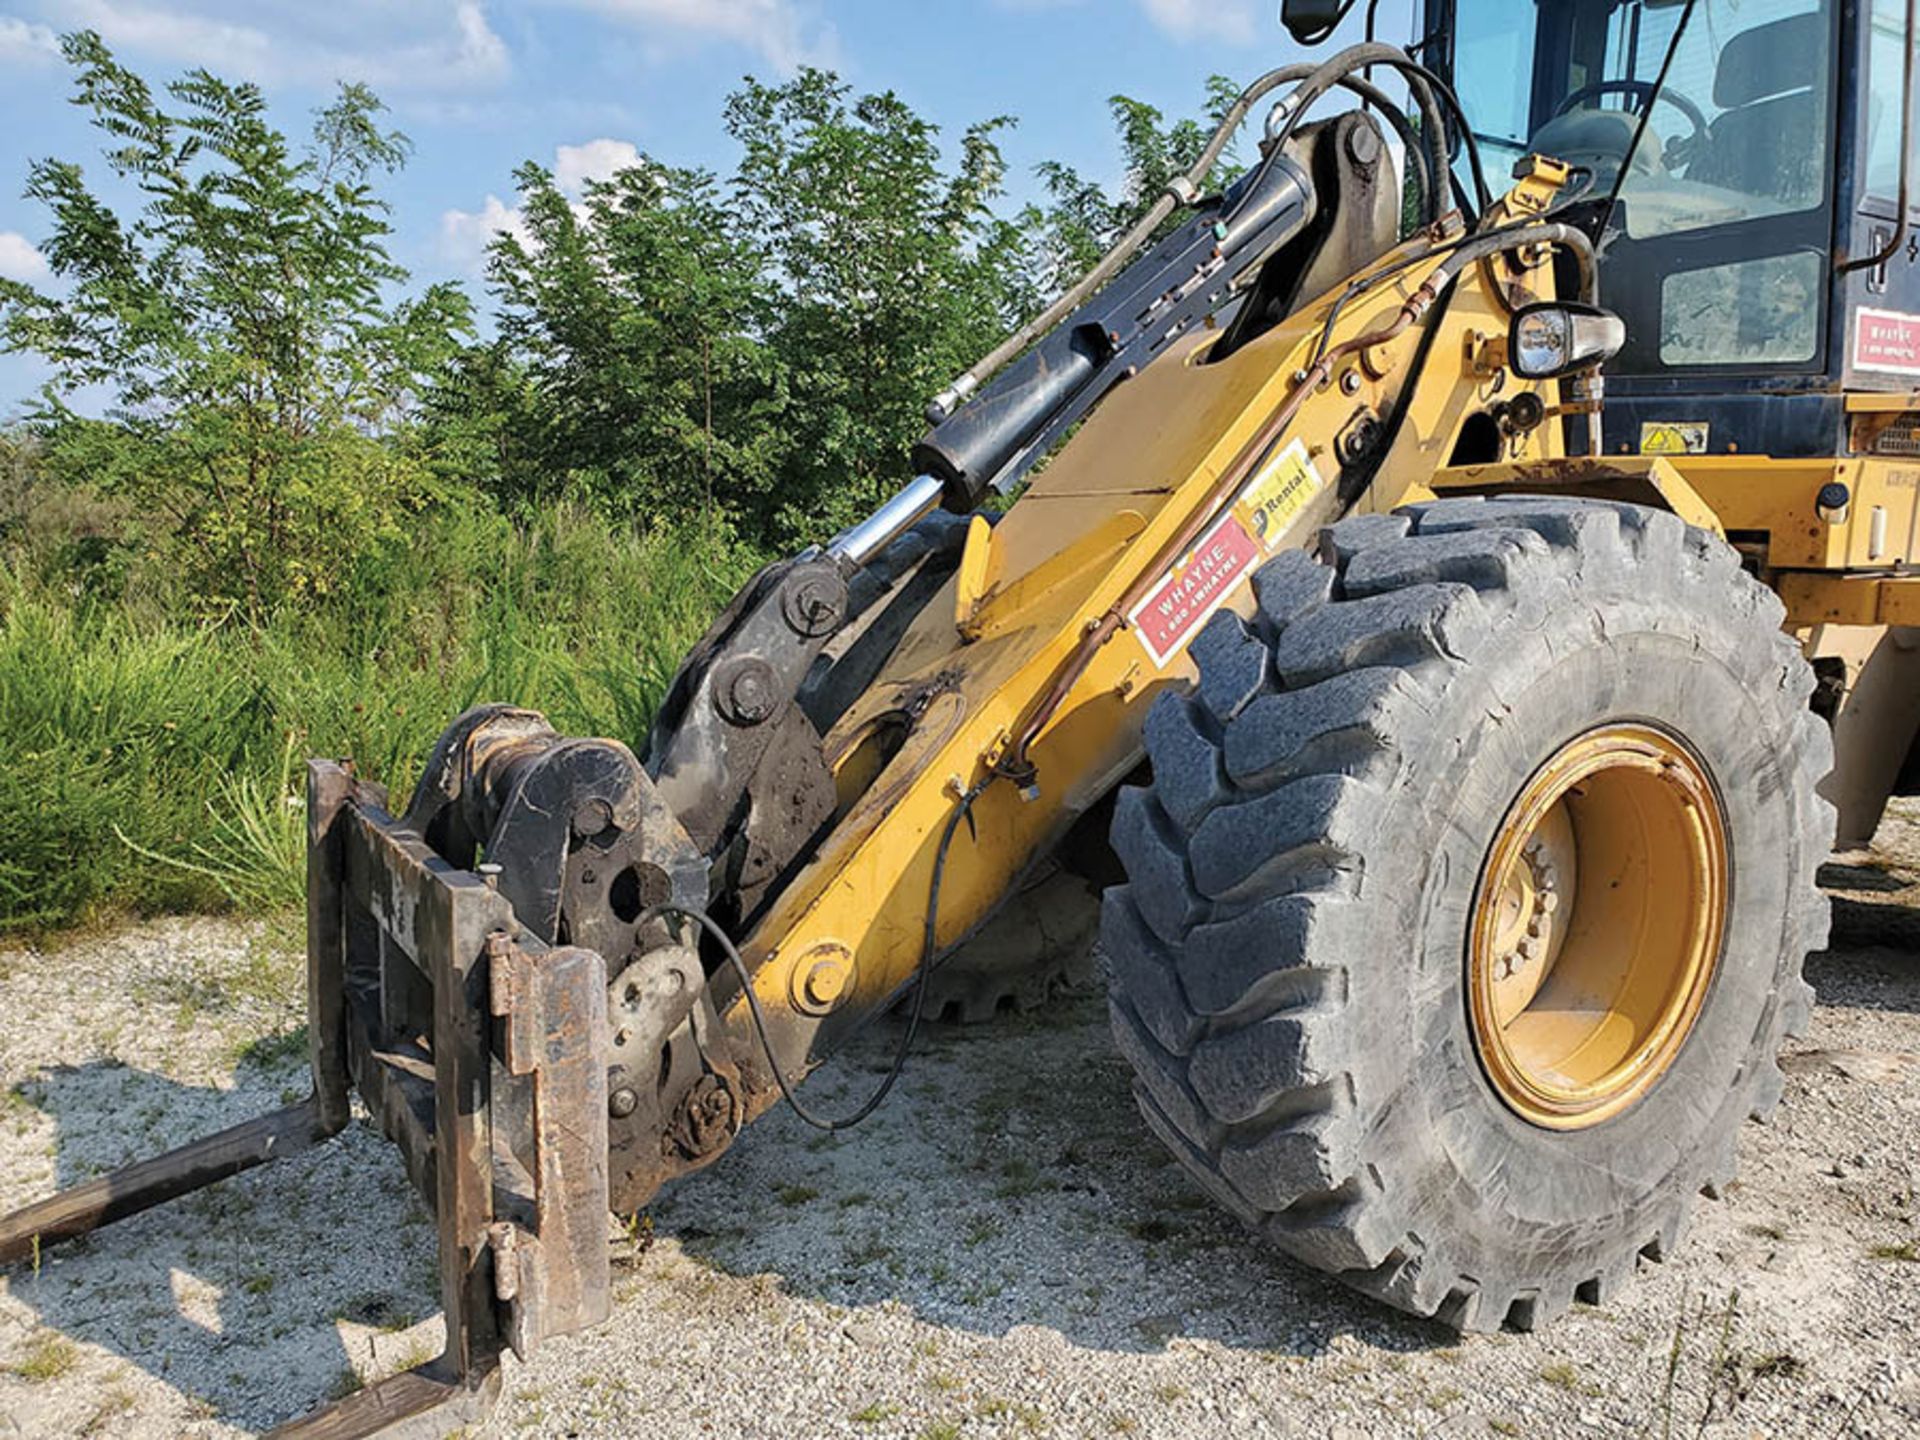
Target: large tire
[{"x": 1287, "y": 962}]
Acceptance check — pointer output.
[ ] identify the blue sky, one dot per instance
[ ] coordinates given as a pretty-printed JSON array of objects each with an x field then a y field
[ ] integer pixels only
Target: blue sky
[{"x": 481, "y": 85}]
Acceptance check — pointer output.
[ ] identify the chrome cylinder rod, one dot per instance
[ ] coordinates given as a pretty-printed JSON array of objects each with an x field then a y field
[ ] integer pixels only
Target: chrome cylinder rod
[{"x": 859, "y": 544}]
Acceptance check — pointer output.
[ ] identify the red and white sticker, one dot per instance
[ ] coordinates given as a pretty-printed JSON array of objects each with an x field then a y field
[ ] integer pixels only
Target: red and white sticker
[
  {"x": 1888, "y": 341},
  {"x": 1195, "y": 589},
  {"x": 1179, "y": 605}
]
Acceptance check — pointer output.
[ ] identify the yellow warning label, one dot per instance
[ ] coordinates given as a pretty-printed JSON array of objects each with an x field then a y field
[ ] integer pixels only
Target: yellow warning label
[
  {"x": 1672, "y": 437},
  {"x": 1276, "y": 495}
]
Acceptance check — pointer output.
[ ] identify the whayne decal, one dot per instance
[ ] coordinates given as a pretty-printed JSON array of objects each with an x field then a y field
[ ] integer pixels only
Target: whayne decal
[
  {"x": 1195, "y": 589},
  {"x": 1887, "y": 340}
]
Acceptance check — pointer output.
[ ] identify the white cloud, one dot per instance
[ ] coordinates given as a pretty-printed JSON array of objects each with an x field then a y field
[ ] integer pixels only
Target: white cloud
[
  {"x": 1182, "y": 19},
  {"x": 575, "y": 166},
  {"x": 466, "y": 234},
  {"x": 1198, "y": 19},
  {"x": 20, "y": 40},
  {"x": 783, "y": 33},
  {"x": 20, "y": 261},
  {"x": 439, "y": 45}
]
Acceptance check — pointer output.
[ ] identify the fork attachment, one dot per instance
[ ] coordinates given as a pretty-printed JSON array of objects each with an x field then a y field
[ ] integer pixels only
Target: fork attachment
[{"x": 481, "y": 1051}]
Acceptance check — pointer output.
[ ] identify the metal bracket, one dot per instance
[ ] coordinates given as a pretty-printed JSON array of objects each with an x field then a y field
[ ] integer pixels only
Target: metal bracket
[{"x": 410, "y": 962}]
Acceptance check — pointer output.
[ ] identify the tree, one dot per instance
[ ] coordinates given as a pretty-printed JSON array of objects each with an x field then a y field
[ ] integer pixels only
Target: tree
[
  {"x": 762, "y": 348},
  {"x": 241, "y": 324},
  {"x": 893, "y": 275},
  {"x": 628, "y": 366},
  {"x": 1080, "y": 221}
]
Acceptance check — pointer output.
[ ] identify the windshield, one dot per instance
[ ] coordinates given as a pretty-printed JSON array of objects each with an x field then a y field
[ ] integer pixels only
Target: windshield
[
  {"x": 1739, "y": 137},
  {"x": 1740, "y": 130}
]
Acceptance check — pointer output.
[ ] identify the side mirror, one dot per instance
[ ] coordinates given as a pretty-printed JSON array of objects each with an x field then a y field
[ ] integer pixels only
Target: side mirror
[
  {"x": 1311, "y": 21},
  {"x": 1561, "y": 338}
]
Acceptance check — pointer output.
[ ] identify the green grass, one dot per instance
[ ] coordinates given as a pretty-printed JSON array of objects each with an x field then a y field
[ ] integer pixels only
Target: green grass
[
  {"x": 48, "y": 1357},
  {"x": 150, "y": 763}
]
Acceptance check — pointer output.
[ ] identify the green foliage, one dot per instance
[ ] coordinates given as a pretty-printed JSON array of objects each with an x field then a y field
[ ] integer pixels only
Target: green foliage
[
  {"x": 762, "y": 348},
  {"x": 149, "y": 763},
  {"x": 316, "y": 519},
  {"x": 892, "y": 276},
  {"x": 1080, "y": 221},
  {"x": 239, "y": 319}
]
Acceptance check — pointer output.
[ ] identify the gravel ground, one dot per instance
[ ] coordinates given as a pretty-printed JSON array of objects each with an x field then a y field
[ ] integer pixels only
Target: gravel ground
[{"x": 1004, "y": 1251}]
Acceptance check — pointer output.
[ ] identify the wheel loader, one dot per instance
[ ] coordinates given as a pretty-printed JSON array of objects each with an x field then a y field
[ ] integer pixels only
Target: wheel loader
[{"x": 1455, "y": 734}]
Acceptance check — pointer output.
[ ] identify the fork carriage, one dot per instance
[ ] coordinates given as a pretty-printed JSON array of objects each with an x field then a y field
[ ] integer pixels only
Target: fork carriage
[{"x": 481, "y": 1051}]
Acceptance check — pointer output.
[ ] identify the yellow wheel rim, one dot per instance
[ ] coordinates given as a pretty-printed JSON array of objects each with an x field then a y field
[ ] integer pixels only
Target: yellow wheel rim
[{"x": 1597, "y": 926}]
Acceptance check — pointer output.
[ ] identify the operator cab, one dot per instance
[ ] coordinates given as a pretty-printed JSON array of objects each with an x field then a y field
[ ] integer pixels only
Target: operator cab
[{"x": 1770, "y": 156}]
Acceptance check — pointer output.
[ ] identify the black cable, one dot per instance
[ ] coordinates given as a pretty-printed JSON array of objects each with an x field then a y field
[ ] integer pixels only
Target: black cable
[
  {"x": 929, "y": 949},
  {"x": 1646, "y": 115}
]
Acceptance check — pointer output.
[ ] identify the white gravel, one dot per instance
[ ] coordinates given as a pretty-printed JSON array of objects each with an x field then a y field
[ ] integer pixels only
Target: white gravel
[{"x": 1004, "y": 1251}]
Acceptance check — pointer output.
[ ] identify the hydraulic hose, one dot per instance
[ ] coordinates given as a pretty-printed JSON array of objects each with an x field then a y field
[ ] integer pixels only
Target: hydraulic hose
[{"x": 1184, "y": 189}]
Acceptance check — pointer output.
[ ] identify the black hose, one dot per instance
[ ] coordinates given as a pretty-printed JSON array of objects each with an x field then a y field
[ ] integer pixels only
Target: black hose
[
  {"x": 1320, "y": 79},
  {"x": 928, "y": 951}
]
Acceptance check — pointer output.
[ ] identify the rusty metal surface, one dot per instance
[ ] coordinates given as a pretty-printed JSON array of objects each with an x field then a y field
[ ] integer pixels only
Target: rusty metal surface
[
  {"x": 475, "y": 1044},
  {"x": 141, "y": 1186},
  {"x": 557, "y": 1278},
  {"x": 422, "y": 1404}
]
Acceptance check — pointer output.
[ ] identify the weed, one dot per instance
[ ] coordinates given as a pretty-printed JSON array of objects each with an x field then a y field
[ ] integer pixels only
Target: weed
[
  {"x": 871, "y": 1251},
  {"x": 1561, "y": 1375},
  {"x": 1020, "y": 1177},
  {"x": 168, "y": 751},
  {"x": 48, "y": 1357},
  {"x": 878, "y": 1413},
  {"x": 943, "y": 1382},
  {"x": 980, "y": 1229},
  {"x": 113, "y": 1404},
  {"x": 1503, "y": 1427},
  {"x": 1169, "y": 1394},
  {"x": 940, "y": 1430},
  {"x": 266, "y": 1052},
  {"x": 1030, "y": 1418},
  {"x": 1906, "y": 1250},
  {"x": 795, "y": 1195},
  {"x": 1780, "y": 1366}
]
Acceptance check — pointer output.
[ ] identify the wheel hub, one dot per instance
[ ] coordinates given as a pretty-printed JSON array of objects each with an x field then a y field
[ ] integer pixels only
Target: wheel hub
[{"x": 1597, "y": 926}]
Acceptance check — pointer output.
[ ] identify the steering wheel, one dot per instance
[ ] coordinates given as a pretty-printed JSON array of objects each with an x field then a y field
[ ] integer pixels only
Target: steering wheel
[{"x": 1646, "y": 93}]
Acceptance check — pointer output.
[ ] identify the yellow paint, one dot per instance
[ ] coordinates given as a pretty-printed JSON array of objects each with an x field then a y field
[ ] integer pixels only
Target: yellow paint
[
  {"x": 978, "y": 573},
  {"x": 1825, "y": 598},
  {"x": 1089, "y": 529},
  {"x": 1639, "y": 480},
  {"x": 1597, "y": 926}
]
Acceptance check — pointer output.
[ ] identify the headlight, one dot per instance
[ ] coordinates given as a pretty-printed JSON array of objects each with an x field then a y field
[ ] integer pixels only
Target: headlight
[{"x": 1548, "y": 341}]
